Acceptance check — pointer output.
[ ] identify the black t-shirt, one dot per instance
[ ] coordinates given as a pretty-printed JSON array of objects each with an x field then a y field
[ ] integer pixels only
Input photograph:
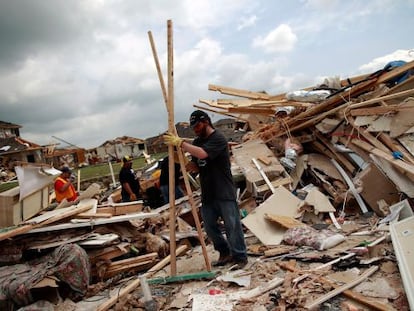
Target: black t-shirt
[
  {"x": 164, "y": 177},
  {"x": 126, "y": 175},
  {"x": 215, "y": 170}
]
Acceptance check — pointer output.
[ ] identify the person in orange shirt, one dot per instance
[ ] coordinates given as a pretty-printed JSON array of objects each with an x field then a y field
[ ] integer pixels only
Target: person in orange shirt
[{"x": 64, "y": 188}]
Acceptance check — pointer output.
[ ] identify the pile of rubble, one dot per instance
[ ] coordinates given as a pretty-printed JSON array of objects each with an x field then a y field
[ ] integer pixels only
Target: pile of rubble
[{"x": 326, "y": 204}]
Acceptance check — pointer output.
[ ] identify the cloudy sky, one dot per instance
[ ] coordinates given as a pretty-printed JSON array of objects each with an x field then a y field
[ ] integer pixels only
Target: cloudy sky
[{"x": 83, "y": 70}]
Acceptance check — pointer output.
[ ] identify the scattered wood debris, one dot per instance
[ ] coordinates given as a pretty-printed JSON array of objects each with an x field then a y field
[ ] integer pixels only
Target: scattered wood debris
[{"x": 337, "y": 158}]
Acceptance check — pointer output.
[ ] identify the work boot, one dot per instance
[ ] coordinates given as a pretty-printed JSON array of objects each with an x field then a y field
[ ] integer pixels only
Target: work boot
[
  {"x": 240, "y": 263},
  {"x": 223, "y": 260}
]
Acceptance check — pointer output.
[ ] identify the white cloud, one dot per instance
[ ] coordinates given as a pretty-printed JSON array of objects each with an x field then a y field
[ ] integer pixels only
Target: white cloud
[
  {"x": 247, "y": 22},
  {"x": 380, "y": 62},
  {"x": 282, "y": 39}
]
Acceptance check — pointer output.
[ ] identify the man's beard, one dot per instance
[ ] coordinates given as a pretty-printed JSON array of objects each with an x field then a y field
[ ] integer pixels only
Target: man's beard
[{"x": 203, "y": 132}]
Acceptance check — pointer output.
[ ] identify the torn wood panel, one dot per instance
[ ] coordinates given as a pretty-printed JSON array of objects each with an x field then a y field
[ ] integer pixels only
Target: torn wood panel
[
  {"x": 323, "y": 164},
  {"x": 403, "y": 167},
  {"x": 341, "y": 158},
  {"x": 376, "y": 186},
  {"x": 402, "y": 182},
  {"x": 327, "y": 125},
  {"x": 402, "y": 121},
  {"x": 121, "y": 208},
  {"x": 319, "y": 201},
  {"x": 284, "y": 221},
  {"x": 282, "y": 202},
  {"x": 243, "y": 155},
  {"x": 109, "y": 252},
  {"x": 91, "y": 223},
  {"x": 394, "y": 145},
  {"x": 407, "y": 141}
]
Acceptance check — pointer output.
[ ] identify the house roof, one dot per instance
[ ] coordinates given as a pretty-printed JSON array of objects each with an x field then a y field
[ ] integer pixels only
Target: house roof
[
  {"x": 123, "y": 140},
  {"x": 16, "y": 144},
  {"x": 8, "y": 125}
]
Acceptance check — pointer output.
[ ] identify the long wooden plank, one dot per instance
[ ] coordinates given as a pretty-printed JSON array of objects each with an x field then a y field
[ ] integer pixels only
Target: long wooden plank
[
  {"x": 405, "y": 168},
  {"x": 238, "y": 92},
  {"x": 182, "y": 164},
  {"x": 395, "y": 72},
  {"x": 381, "y": 99},
  {"x": 171, "y": 164},
  {"x": 373, "y": 304},
  {"x": 134, "y": 284},
  {"x": 377, "y": 110},
  {"x": 342, "y": 288},
  {"x": 28, "y": 227}
]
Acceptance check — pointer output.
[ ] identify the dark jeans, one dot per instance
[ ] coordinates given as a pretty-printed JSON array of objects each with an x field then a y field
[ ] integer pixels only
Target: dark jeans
[
  {"x": 165, "y": 193},
  {"x": 229, "y": 213}
]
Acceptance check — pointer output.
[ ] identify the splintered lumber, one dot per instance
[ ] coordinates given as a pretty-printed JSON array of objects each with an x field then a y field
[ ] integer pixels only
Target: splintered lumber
[
  {"x": 373, "y": 111},
  {"x": 372, "y": 304},
  {"x": 121, "y": 208},
  {"x": 238, "y": 92},
  {"x": 71, "y": 211},
  {"x": 134, "y": 284},
  {"x": 284, "y": 221},
  {"x": 381, "y": 99},
  {"x": 342, "y": 288},
  {"x": 395, "y": 72},
  {"x": 405, "y": 168},
  {"x": 120, "y": 266},
  {"x": 94, "y": 215},
  {"x": 108, "y": 253},
  {"x": 330, "y": 106}
]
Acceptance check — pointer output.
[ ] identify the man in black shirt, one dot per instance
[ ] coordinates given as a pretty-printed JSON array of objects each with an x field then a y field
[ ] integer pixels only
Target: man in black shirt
[
  {"x": 210, "y": 157},
  {"x": 128, "y": 180}
]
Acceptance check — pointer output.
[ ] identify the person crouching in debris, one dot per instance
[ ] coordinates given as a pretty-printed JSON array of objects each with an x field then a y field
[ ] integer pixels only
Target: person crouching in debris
[
  {"x": 210, "y": 157},
  {"x": 128, "y": 180},
  {"x": 64, "y": 188}
]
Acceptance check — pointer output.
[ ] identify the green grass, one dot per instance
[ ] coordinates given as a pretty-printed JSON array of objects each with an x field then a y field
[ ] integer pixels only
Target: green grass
[{"x": 97, "y": 170}]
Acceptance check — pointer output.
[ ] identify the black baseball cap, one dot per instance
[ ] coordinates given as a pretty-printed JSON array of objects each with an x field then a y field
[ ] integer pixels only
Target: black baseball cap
[{"x": 197, "y": 116}]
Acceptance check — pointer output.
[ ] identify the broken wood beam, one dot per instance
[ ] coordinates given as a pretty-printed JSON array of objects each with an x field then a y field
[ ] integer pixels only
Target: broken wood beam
[
  {"x": 312, "y": 305},
  {"x": 134, "y": 284},
  {"x": 381, "y": 98},
  {"x": 372, "y": 304},
  {"x": 238, "y": 92},
  {"x": 395, "y": 72},
  {"x": 403, "y": 167}
]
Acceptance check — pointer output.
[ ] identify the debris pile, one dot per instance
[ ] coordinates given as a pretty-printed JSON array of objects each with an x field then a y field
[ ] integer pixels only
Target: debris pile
[{"x": 326, "y": 204}]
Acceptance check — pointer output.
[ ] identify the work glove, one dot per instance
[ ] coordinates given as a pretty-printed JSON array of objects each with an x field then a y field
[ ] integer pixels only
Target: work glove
[{"x": 173, "y": 140}]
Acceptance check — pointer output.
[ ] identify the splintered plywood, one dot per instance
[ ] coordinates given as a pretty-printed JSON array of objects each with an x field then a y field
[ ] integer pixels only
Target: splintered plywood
[
  {"x": 285, "y": 221},
  {"x": 375, "y": 187},
  {"x": 243, "y": 155},
  {"x": 319, "y": 201},
  {"x": 281, "y": 202},
  {"x": 402, "y": 235},
  {"x": 403, "y": 120}
]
